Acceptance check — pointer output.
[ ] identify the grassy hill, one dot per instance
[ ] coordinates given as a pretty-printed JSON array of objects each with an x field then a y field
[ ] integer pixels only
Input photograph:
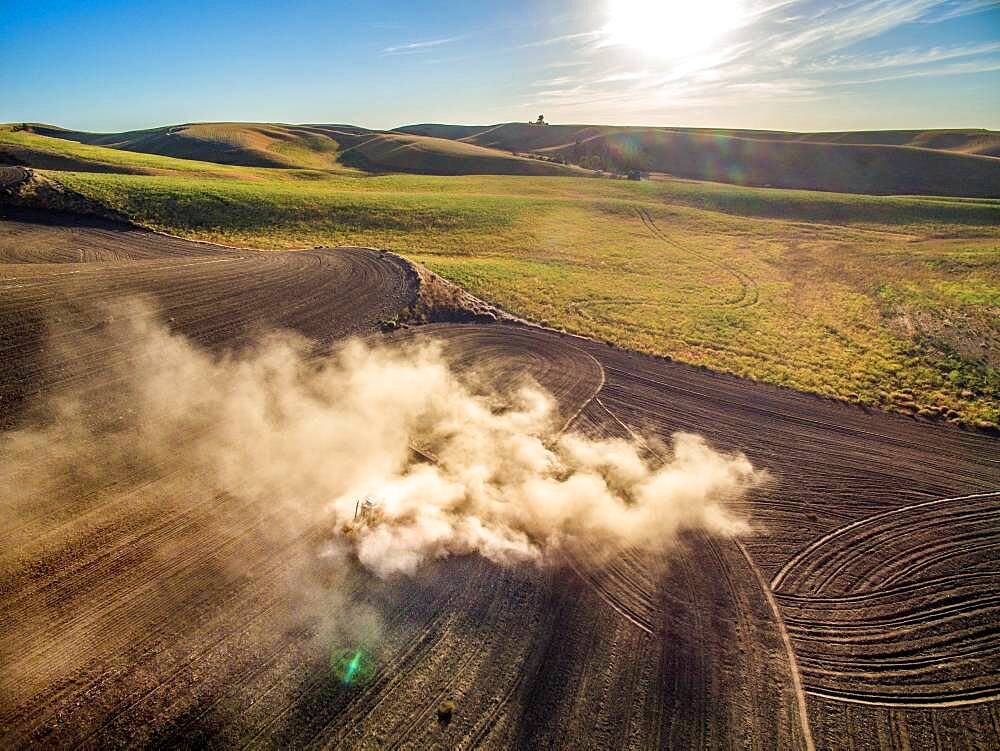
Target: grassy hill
[
  {"x": 970, "y": 141},
  {"x": 521, "y": 136},
  {"x": 313, "y": 147},
  {"x": 883, "y": 300},
  {"x": 399, "y": 152},
  {"x": 842, "y": 168},
  {"x": 956, "y": 162},
  {"x": 884, "y": 163},
  {"x": 248, "y": 145}
]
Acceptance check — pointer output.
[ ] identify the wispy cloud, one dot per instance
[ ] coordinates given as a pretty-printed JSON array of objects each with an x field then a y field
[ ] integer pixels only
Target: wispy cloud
[
  {"x": 578, "y": 37},
  {"x": 567, "y": 63},
  {"x": 948, "y": 69},
  {"x": 948, "y": 10},
  {"x": 548, "y": 82},
  {"x": 835, "y": 27},
  {"x": 911, "y": 56},
  {"x": 783, "y": 50},
  {"x": 416, "y": 47}
]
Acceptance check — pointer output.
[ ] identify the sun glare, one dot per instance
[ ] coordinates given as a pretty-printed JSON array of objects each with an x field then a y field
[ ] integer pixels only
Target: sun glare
[{"x": 671, "y": 28}]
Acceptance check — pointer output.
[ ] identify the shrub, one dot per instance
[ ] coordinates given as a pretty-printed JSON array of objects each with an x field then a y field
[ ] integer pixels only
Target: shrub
[{"x": 445, "y": 711}]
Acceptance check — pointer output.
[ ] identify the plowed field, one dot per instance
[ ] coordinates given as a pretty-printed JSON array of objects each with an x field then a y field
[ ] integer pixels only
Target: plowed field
[{"x": 862, "y": 612}]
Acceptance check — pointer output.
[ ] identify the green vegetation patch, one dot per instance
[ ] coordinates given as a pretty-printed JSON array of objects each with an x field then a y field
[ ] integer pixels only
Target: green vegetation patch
[
  {"x": 285, "y": 213},
  {"x": 30, "y": 148},
  {"x": 889, "y": 302}
]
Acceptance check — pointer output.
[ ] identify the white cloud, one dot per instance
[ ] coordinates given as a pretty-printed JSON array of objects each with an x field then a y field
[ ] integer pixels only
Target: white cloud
[
  {"x": 911, "y": 56},
  {"x": 414, "y": 47},
  {"x": 790, "y": 50},
  {"x": 948, "y": 69},
  {"x": 948, "y": 10},
  {"x": 577, "y": 37}
]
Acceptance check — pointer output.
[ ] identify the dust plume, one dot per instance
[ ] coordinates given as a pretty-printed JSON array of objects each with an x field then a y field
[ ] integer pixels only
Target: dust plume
[{"x": 455, "y": 469}]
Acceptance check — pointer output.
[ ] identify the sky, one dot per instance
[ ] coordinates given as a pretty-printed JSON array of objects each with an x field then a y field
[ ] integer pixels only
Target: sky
[{"x": 803, "y": 65}]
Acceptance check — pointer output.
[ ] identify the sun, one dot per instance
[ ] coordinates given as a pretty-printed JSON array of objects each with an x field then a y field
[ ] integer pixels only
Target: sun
[{"x": 671, "y": 28}]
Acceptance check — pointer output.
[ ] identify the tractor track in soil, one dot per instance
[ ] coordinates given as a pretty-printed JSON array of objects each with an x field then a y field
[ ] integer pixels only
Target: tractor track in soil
[
  {"x": 123, "y": 645},
  {"x": 749, "y": 293}
]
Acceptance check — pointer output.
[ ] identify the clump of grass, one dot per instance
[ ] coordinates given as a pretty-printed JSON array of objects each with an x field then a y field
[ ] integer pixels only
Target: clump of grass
[
  {"x": 754, "y": 282},
  {"x": 445, "y": 712}
]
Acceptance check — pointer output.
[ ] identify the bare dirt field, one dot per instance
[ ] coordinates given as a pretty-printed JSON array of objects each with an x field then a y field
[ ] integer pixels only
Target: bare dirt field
[{"x": 860, "y": 613}]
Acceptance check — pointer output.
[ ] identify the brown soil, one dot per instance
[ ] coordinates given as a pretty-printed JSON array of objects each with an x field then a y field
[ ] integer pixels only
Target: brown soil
[
  {"x": 865, "y": 597},
  {"x": 23, "y": 188}
]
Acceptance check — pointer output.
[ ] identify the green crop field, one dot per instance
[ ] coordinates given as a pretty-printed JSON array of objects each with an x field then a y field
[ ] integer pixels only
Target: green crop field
[{"x": 885, "y": 301}]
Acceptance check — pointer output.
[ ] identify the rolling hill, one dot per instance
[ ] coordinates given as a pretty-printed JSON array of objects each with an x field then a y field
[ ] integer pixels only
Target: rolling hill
[
  {"x": 958, "y": 162},
  {"x": 247, "y": 145},
  {"x": 377, "y": 151},
  {"x": 951, "y": 163},
  {"x": 972, "y": 141},
  {"x": 323, "y": 147},
  {"x": 530, "y": 137}
]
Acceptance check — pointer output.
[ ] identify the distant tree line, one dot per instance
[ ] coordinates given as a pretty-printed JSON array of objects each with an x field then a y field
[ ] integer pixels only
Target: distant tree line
[{"x": 600, "y": 158}]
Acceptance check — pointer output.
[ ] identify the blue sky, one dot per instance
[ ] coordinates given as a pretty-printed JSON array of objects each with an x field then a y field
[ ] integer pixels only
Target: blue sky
[{"x": 777, "y": 64}]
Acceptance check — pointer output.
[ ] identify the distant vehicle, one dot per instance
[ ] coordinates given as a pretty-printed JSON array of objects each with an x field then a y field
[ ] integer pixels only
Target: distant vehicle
[
  {"x": 539, "y": 121},
  {"x": 634, "y": 174},
  {"x": 367, "y": 511}
]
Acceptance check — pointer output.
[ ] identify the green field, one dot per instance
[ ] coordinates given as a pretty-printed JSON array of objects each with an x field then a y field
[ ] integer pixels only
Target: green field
[
  {"x": 211, "y": 147},
  {"x": 886, "y": 301}
]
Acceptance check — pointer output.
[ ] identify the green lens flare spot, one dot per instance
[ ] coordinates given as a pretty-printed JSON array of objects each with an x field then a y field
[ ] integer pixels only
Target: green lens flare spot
[{"x": 354, "y": 667}]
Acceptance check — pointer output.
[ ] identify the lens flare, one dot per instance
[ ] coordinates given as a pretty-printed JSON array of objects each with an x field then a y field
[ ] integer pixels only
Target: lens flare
[{"x": 354, "y": 667}]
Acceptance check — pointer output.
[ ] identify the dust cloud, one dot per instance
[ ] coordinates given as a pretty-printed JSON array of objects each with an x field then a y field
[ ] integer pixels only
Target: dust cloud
[{"x": 455, "y": 469}]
